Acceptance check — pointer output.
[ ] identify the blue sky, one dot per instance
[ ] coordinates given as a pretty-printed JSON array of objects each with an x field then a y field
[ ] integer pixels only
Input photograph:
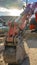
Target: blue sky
[{"x": 31, "y": 0}]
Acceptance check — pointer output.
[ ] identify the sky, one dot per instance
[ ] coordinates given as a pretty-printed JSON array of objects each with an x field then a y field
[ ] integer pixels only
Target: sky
[
  {"x": 13, "y": 3},
  {"x": 9, "y": 6},
  {"x": 31, "y": 0}
]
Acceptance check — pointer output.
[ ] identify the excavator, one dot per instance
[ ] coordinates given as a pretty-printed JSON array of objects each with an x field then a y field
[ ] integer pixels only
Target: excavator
[{"x": 13, "y": 39}]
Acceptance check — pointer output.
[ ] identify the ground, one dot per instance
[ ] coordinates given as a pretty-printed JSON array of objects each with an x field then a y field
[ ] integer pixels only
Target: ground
[{"x": 32, "y": 56}]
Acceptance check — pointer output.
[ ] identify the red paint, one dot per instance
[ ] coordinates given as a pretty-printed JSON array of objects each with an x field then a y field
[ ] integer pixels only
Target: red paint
[
  {"x": 23, "y": 25},
  {"x": 32, "y": 27},
  {"x": 10, "y": 32},
  {"x": 36, "y": 16}
]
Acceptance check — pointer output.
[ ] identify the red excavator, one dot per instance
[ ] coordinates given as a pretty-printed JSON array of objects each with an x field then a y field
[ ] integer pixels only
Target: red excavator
[
  {"x": 15, "y": 28},
  {"x": 14, "y": 37}
]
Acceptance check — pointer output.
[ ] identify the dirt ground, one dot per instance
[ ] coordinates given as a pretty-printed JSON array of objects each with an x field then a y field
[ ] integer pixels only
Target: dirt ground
[{"x": 32, "y": 56}]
